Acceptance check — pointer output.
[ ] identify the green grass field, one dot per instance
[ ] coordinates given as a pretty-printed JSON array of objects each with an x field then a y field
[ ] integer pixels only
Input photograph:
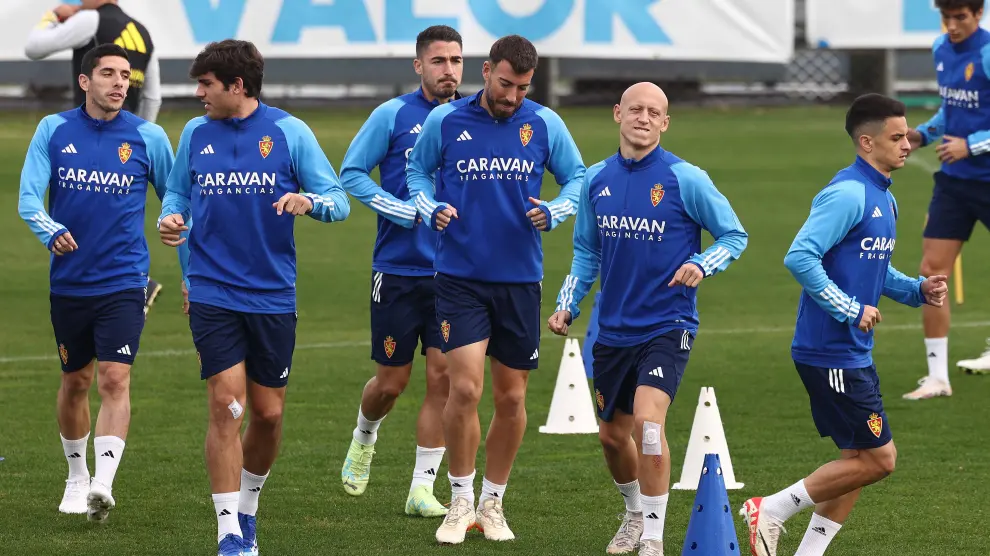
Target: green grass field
[{"x": 560, "y": 499}]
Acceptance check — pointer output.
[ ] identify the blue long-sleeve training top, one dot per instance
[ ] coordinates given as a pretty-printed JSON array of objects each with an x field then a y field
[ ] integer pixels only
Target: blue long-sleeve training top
[
  {"x": 963, "y": 74},
  {"x": 228, "y": 174},
  {"x": 841, "y": 257},
  {"x": 385, "y": 140},
  {"x": 639, "y": 221},
  {"x": 96, "y": 173},
  {"x": 488, "y": 169}
]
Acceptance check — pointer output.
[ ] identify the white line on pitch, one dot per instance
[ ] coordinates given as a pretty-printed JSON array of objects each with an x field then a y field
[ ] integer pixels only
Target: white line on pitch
[{"x": 363, "y": 343}]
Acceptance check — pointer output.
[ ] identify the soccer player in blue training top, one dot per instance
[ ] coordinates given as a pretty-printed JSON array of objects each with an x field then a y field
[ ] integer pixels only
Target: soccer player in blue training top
[
  {"x": 962, "y": 187},
  {"x": 648, "y": 316},
  {"x": 491, "y": 150},
  {"x": 841, "y": 257},
  {"x": 239, "y": 172},
  {"x": 97, "y": 162},
  {"x": 403, "y": 302}
]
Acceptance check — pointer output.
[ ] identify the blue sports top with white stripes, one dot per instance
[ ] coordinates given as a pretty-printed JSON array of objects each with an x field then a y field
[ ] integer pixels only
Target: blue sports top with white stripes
[
  {"x": 638, "y": 222},
  {"x": 841, "y": 258}
]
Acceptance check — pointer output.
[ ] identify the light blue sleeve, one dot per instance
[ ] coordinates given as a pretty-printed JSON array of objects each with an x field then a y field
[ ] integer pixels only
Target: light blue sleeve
[
  {"x": 178, "y": 187},
  {"x": 711, "y": 210},
  {"x": 316, "y": 175},
  {"x": 902, "y": 288},
  {"x": 160, "y": 154},
  {"x": 36, "y": 176},
  {"x": 566, "y": 166},
  {"x": 933, "y": 129},
  {"x": 979, "y": 141},
  {"x": 423, "y": 163},
  {"x": 367, "y": 150},
  {"x": 834, "y": 211},
  {"x": 587, "y": 250}
]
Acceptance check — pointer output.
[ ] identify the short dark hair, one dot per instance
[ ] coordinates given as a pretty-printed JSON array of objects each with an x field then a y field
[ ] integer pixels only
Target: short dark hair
[
  {"x": 229, "y": 59},
  {"x": 436, "y": 33},
  {"x": 516, "y": 50},
  {"x": 871, "y": 108},
  {"x": 92, "y": 58},
  {"x": 973, "y": 5}
]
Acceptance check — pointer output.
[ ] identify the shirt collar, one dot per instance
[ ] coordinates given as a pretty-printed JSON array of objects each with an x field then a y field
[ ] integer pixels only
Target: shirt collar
[
  {"x": 649, "y": 160},
  {"x": 250, "y": 119},
  {"x": 872, "y": 174},
  {"x": 98, "y": 124}
]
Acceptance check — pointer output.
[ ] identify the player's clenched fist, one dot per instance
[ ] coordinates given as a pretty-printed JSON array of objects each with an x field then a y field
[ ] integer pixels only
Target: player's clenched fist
[
  {"x": 558, "y": 322},
  {"x": 170, "y": 229},
  {"x": 537, "y": 216},
  {"x": 294, "y": 204},
  {"x": 871, "y": 316},
  {"x": 689, "y": 275},
  {"x": 934, "y": 288},
  {"x": 64, "y": 244},
  {"x": 445, "y": 216}
]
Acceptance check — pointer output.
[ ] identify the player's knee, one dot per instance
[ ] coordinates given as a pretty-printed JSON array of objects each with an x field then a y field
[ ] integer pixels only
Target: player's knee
[
  {"x": 77, "y": 383},
  {"x": 650, "y": 432},
  {"x": 932, "y": 264},
  {"x": 115, "y": 379},
  {"x": 225, "y": 409},
  {"x": 510, "y": 401},
  {"x": 269, "y": 416},
  {"x": 464, "y": 393},
  {"x": 612, "y": 438},
  {"x": 392, "y": 382}
]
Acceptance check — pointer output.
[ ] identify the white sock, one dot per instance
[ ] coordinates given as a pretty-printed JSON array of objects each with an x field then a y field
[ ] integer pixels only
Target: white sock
[
  {"x": 462, "y": 487},
  {"x": 820, "y": 533},
  {"x": 654, "y": 514},
  {"x": 225, "y": 505},
  {"x": 937, "y": 350},
  {"x": 366, "y": 431},
  {"x": 109, "y": 450},
  {"x": 630, "y": 494},
  {"x": 427, "y": 464},
  {"x": 787, "y": 503},
  {"x": 75, "y": 454},
  {"x": 250, "y": 491},
  {"x": 491, "y": 490}
]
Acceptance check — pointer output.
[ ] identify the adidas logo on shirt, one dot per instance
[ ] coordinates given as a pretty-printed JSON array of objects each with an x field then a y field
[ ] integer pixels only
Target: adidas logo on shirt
[
  {"x": 536, "y": 355},
  {"x": 418, "y": 128},
  {"x": 70, "y": 149},
  {"x": 464, "y": 136},
  {"x": 940, "y": 67},
  {"x": 208, "y": 150},
  {"x": 876, "y": 212},
  {"x": 658, "y": 372},
  {"x": 126, "y": 350},
  {"x": 605, "y": 192}
]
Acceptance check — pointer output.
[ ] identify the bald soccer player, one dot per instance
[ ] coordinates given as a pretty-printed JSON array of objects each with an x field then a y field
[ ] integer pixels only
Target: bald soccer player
[{"x": 647, "y": 317}]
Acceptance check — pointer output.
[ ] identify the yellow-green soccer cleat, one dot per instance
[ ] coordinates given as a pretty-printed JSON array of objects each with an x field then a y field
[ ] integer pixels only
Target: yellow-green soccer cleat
[
  {"x": 422, "y": 502},
  {"x": 357, "y": 468}
]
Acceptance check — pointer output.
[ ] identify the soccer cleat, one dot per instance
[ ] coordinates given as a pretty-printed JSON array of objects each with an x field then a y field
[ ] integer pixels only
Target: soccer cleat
[
  {"x": 459, "y": 520},
  {"x": 978, "y": 366},
  {"x": 651, "y": 547},
  {"x": 764, "y": 531},
  {"x": 491, "y": 521},
  {"x": 626, "y": 539},
  {"x": 152, "y": 291},
  {"x": 74, "y": 498},
  {"x": 357, "y": 468},
  {"x": 100, "y": 502},
  {"x": 249, "y": 530},
  {"x": 422, "y": 502},
  {"x": 929, "y": 387},
  {"x": 231, "y": 545}
]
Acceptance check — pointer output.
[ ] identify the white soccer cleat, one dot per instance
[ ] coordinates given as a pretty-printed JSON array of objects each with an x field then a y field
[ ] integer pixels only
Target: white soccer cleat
[
  {"x": 460, "y": 518},
  {"x": 978, "y": 366},
  {"x": 100, "y": 502},
  {"x": 74, "y": 498},
  {"x": 651, "y": 547},
  {"x": 764, "y": 531},
  {"x": 491, "y": 521},
  {"x": 929, "y": 387},
  {"x": 626, "y": 539}
]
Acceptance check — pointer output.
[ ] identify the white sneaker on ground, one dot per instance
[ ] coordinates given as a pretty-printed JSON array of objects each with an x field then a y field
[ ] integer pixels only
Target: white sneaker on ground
[
  {"x": 929, "y": 387},
  {"x": 491, "y": 521},
  {"x": 460, "y": 517},
  {"x": 74, "y": 498},
  {"x": 764, "y": 531},
  {"x": 626, "y": 539},
  {"x": 978, "y": 366},
  {"x": 651, "y": 547},
  {"x": 100, "y": 502}
]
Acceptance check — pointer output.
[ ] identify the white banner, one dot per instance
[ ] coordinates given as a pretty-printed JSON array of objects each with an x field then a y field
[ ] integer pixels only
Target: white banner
[
  {"x": 873, "y": 23},
  {"x": 726, "y": 30}
]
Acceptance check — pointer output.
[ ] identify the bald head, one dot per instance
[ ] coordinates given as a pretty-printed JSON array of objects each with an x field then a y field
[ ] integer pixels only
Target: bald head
[{"x": 642, "y": 116}]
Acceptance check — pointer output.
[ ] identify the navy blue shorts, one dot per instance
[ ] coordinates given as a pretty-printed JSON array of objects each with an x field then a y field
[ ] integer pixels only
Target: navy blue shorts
[
  {"x": 224, "y": 338},
  {"x": 403, "y": 314},
  {"x": 956, "y": 206},
  {"x": 618, "y": 371},
  {"x": 107, "y": 327},
  {"x": 508, "y": 315},
  {"x": 846, "y": 405}
]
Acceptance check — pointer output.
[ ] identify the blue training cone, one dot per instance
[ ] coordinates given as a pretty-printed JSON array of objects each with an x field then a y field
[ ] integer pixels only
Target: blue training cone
[{"x": 711, "y": 531}]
